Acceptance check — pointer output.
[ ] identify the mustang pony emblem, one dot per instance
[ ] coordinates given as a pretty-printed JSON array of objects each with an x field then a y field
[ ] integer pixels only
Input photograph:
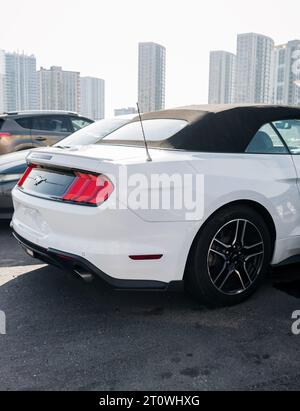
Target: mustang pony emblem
[{"x": 38, "y": 180}]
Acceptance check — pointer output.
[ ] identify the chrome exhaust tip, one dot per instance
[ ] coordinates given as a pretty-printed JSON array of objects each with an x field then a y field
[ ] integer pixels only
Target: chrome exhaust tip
[{"x": 84, "y": 275}]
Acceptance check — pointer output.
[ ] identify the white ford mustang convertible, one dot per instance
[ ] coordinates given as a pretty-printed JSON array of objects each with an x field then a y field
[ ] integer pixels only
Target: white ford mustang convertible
[{"x": 205, "y": 196}]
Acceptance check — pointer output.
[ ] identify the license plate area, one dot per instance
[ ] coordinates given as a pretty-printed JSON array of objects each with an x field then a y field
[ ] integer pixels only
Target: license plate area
[{"x": 47, "y": 183}]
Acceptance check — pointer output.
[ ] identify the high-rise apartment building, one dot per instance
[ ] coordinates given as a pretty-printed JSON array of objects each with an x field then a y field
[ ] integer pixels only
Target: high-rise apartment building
[
  {"x": 20, "y": 82},
  {"x": 59, "y": 89},
  {"x": 125, "y": 111},
  {"x": 92, "y": 98},
  {"x": 254, "y": 68},
  {"x": 287, "y": 73},
  {"x": 152, "y": 74},
  {"x": 2, "y": 82},
  {"x": 221, "y": 77}
]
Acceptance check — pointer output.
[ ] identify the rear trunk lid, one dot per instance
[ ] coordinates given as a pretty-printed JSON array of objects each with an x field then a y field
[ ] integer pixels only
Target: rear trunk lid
[
  {"x": 59, "y": 172},
  {"x": 55, "y": 173}
]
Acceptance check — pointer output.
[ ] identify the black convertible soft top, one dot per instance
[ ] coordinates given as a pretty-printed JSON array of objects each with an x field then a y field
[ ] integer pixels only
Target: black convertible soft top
[{"x": 218, "y": 128}]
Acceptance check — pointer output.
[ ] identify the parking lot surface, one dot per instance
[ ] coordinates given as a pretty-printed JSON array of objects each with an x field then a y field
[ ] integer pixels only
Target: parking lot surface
[{"x": 63, "y": 334}]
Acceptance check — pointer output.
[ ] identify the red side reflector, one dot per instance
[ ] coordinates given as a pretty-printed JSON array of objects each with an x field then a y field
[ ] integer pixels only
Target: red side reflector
[
  {"x": 146, "y": 257},
  {"x": 89, "y": 189},
  {"x": 5, "y": 134},
  {"x": 26, "y": 174}
]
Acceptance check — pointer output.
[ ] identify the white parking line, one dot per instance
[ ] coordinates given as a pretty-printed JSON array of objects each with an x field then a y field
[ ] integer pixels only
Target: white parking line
[{"x": 10, "y": 273}]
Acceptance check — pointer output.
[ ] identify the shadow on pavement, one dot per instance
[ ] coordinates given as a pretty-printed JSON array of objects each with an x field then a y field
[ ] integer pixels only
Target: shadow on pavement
[{"x": 287, "y": 279}]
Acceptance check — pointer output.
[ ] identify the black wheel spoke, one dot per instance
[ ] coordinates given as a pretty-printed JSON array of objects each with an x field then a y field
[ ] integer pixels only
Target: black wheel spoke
[
  {"x": 253, "y": 251},
  {"x": 227, "y": 275},
  {"x": 241, "y": 279},
  {"x": 245, "y": 271},
  {"x": 245, "y": 275},
  {"x": 218, "y": 253},
  {"x": 222, "y": 273},
  {"x": 240, "y": 230},
  {"x": 249, "y": 270},
  {"x": 225, "y": 246}
]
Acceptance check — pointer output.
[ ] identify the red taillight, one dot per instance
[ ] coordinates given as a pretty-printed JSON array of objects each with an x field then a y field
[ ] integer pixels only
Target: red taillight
[
  {"x": 26, "y": 174},
  {"x": 89, "y": 189},
  {"x": 5, "y": 134}
]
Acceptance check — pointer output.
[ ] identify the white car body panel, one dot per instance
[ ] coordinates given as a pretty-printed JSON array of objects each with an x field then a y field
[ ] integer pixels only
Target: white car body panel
[
  {"x": 108, "y": 245},
  {"x": 107, "y": 237}
]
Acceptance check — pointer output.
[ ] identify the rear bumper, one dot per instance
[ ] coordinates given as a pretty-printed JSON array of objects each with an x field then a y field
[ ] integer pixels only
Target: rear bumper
[
  {"x": 106, "y": 238},
  {"x": 74, "y": 263}
]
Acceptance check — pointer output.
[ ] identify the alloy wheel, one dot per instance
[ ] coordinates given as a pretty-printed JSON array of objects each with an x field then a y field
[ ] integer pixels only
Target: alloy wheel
[{"x": 235, "y": 257}]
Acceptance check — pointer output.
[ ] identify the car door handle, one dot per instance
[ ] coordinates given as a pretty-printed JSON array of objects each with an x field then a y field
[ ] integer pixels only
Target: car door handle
[{"x": 40, "y": 138}]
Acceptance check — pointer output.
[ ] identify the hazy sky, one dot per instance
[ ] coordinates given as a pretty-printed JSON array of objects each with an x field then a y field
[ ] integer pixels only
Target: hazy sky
[{"x": 100, "y": 37}]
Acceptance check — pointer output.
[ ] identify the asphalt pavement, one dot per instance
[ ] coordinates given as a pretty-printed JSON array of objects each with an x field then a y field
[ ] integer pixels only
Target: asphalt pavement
[{"x": 63, "y": 334}]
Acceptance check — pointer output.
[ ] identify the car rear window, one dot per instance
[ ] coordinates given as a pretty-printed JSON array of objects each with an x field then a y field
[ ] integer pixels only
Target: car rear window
[
  {"x": 56, "y": 124},
  {"x": 24, "y": 122},
  {"x": 155, "y": 130},
  {"x": 92, "y": 133}
]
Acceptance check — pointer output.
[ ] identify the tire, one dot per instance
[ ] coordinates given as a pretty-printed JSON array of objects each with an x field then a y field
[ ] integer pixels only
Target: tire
[{"x": 229, "y": 257}]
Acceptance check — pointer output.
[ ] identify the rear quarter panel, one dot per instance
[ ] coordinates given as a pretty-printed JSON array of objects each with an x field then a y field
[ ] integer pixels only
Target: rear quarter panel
[{"x": 269, "y": 180}]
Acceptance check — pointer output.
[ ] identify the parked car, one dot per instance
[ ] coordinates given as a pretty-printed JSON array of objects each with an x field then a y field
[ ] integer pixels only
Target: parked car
[
  {"x": 13, "y": 165},
  {"x": 248, "y": 158},
  {"x": 30, "y": 129}
]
